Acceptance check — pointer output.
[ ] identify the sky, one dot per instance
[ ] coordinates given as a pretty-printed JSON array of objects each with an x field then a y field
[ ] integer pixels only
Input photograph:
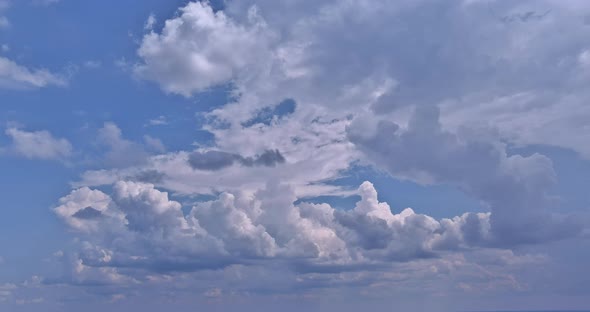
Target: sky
[{"x": 320, "y": 155}]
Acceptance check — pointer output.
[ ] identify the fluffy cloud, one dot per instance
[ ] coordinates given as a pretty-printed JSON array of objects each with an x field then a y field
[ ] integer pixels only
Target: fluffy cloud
[
  {"x": 264, "y": 243},
  {"x": 311, "y": 59},
  {"x": 312, "y": 155},
  {"x": 201, "y": 49},
  {"x": 38, "y": 145},
  {"x": 85, "y": 209},
  {"x": 138, "y": 227},
  {"x": 360, "y": 94},
  {"x": 525, "y": 70},
  {"x": 14, "y": 76},
  {"x": 515, "y": 187}
]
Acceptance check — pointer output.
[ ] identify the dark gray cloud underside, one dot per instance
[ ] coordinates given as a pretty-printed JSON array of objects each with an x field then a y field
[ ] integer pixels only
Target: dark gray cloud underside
[{"x": 217, "y": 160}]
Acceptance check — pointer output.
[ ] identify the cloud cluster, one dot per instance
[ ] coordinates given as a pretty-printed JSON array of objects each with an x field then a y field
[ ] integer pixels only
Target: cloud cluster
[
  {"x": 526, "y": 78},
  {"x": 516, "y": 188},
  {"x": 307, "y": 160},
  {"x": 312, "y": 60},
  {"x": 139, "y": 227},
  {"x": 408, "y": 87}
]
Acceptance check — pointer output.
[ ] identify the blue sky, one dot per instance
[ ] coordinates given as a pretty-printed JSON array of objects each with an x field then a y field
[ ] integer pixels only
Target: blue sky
[{"x": 257, "y": 154}]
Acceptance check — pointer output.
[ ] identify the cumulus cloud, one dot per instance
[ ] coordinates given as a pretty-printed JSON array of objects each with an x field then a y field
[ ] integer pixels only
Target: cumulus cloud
[
  {"x": 154, "y": 233},
  {"x": 264, "y": 243},
  {"x": 14, "y": 76},
  {"x": 200, "y": 49},
  {"x": 362, "y": 94},
  {"x": 477, "y": 84},
  {"x": 515, "y": 187},
  {"x": 76, "y": 208},
  {"x": 301, "y": 52},
  {"x": 314, "y": 155},
  {"x": 38, "y": 145}
]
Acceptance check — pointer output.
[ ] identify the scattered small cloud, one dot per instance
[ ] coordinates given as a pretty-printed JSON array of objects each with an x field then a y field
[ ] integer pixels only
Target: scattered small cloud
[
  {"x": 158, "y": 121},
  {"x": 150, "y": 22},
  {"x": 123, "y": 64},
  {"x": 213, "y": 293},
  {"x": 38, "y": 145},
  {"x": 92, "y": 64},
  {"x": 15, "y": 76}
]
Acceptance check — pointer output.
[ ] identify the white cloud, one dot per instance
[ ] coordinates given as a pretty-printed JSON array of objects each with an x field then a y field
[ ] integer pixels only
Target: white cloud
[
  {"x": 200, "y": 49},
  {"x": 241, "y": 244},
  {"x": 240, "y": 227},
  {"x": 314, "y": 61},
  {"x": 356, "y": 71},
  {"x": 38, "y": 145},
  {"x": 159, "y": 121},
  {"x": 14, "y": 76},
  {"x": 516, "y": 188},
  {"x": 121, "y": 152},
  {"x": 154, "y": 144},
  {"x": 150, "y": 22},
  {"x": 85, "y": 209},
  {"x": 213, "y": 293},
  {"x": 92, "y": 64},
  {"x": 313, "y": 155},
  {"x": 328, "y": 75}
]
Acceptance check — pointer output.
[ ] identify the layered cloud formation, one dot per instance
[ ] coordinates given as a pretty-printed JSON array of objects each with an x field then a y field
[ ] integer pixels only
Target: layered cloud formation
[
  {"x": 152, "y": 232},
  {"x": 394, "y": 100},
  {"x": 438, "y": 94}
]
